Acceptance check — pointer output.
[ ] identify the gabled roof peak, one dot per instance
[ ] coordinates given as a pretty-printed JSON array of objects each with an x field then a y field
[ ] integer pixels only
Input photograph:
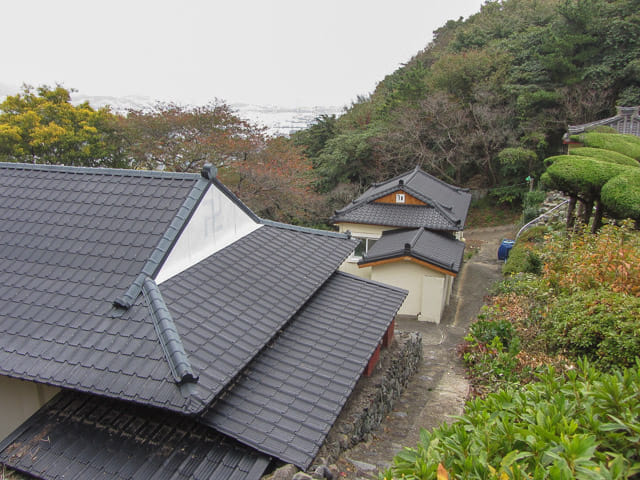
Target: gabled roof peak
[{"x": 450, "y": 202}]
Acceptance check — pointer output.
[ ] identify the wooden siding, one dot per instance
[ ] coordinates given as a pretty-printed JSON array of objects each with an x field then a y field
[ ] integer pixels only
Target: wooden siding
[{"x": 408, "y": 199}]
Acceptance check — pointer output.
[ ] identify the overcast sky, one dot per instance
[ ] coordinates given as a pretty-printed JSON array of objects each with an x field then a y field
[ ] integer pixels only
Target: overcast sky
[{"x": 281, "y": 52}]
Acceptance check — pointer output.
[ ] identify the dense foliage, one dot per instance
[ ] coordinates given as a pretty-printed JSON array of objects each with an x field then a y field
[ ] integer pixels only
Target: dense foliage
[
  {"x": 581, "y": 425},
  {"x": 489, "y": 98},
  {"x": 554, "y": 359}
]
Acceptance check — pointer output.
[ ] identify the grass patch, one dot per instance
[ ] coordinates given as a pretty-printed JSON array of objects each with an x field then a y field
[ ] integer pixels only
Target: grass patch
[{"x": 486, "y": 213}]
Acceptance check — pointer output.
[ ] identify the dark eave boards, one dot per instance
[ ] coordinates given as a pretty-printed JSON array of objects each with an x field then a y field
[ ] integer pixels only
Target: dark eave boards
[
  {"x": 78, "y": 436},
  {"x": 289, "y": 397}
]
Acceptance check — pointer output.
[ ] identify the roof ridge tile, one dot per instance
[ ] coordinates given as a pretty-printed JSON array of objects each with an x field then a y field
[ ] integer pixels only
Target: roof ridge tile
[
  {"x": 111, "y": 172},
  {"x": 168, "y": 334},
  {"x": 296, "y": 228}
]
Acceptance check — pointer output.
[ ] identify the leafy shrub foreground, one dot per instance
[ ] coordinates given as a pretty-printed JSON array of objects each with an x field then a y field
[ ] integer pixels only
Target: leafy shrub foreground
[{"x": 584, "y": 424}]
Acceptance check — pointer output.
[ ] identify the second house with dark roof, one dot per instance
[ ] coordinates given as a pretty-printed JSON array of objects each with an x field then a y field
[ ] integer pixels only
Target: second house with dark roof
[{"x": 410, "y": 229}]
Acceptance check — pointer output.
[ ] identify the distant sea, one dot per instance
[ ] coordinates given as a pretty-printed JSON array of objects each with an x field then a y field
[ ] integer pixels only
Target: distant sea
[{"x": 277, "y": 119}]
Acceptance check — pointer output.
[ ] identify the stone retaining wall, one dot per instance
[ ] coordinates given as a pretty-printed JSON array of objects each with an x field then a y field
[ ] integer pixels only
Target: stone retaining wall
[{"x": 358, "y": 423}]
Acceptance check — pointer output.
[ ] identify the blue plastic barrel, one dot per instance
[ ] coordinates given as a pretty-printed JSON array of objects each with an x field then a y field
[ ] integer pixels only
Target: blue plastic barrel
[{"x": 504, "y": 249}]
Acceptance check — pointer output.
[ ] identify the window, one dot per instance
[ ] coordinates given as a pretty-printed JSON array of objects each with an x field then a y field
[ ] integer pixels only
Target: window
[
  {"x": 364, "y": 247},
  {"x": 399, "y": 197}
]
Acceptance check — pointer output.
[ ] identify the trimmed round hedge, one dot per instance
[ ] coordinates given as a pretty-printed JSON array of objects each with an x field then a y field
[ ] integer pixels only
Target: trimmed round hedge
[
  {"x": 621, "y": 195},
  {"x": 605, "y": 156},
  {"x": 628, "y": 145}
]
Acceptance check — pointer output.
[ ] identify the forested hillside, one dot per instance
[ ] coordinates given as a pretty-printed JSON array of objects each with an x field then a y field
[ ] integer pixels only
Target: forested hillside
[{"x": 489, "y": 98}]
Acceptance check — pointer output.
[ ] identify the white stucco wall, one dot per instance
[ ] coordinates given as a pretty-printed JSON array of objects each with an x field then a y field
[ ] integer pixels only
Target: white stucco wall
[
  {"x": 216, "y": 223},
  {"x": 19, "y": 400}
]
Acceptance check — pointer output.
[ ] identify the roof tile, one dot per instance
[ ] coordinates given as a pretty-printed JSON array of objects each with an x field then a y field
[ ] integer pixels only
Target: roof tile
[
  {"x": 294, "y": 411},
  {"x": 138, "y": 443}
]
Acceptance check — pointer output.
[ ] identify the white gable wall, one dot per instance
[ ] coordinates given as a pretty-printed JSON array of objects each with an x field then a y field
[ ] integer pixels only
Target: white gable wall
[{"x": 216, "y": 223}]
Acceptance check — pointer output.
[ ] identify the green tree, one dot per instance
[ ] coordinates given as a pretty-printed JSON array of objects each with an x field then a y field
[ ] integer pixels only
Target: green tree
[
  {"x": 42, "y": 126},
  {"x": 314, "y": 138}
]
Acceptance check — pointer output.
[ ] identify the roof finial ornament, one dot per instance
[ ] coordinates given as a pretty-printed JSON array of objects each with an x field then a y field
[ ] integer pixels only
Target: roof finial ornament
[{"x": 209, "y": 171}]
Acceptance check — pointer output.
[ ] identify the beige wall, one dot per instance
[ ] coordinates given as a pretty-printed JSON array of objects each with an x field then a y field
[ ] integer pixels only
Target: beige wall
[
  {"x": 405, "y": 275},
  {"x": 429, "y": 290},
  {"x": 19, "y": 400},
  {"x": 359, "y": 229},
  {"x": 349, "y": 266}
]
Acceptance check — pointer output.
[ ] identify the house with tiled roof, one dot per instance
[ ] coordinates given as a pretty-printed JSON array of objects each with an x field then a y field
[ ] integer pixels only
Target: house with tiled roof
[
  {"x": 410, "y": 229},
  {"x": 626, "y": 120},
  {"x": 151, "y": 325}
]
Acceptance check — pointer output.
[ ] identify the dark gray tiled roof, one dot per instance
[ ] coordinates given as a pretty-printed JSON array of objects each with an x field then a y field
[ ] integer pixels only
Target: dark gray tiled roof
[
  {"x": 626, "y": 121},
  {"x": 289, "y": 397},
  {"x": 397, "y": 216},
  {"x": 79, "y": 436},
  {"x": 438, "y": 249},
  {"x": 73, "y": 240},
  {"x": 66, "y": 255},
  {"x": 230, "y": 305},
  {"x": 446, "y": 209}
]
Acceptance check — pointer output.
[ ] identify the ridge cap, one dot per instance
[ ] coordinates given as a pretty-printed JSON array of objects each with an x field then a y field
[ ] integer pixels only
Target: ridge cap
[
  {"x": 297, "y": 228},
  {"x": 168, "y": 334},
  {"x": 127, "y": 172}
]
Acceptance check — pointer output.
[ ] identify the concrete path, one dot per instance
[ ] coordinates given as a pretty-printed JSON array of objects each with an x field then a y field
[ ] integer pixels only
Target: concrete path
[{"x": 439, "y": 389}]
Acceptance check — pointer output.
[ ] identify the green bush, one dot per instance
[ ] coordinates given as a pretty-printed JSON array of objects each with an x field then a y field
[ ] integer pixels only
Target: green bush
[
  {"x": 602, "y": 325},
  {"x": 621, "y": 196},
  {"x": 531, "y": 205},
  {"x": 490, "y": 352},
  {"x": 534, "y": 234},
  {"x": 522, "y": 259},
  {"x": 578, "y": 175},
  {"x": 484, "y": 331},
  {"x": 585, "y": 425},
  {"x": 529, "y": 213}
]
